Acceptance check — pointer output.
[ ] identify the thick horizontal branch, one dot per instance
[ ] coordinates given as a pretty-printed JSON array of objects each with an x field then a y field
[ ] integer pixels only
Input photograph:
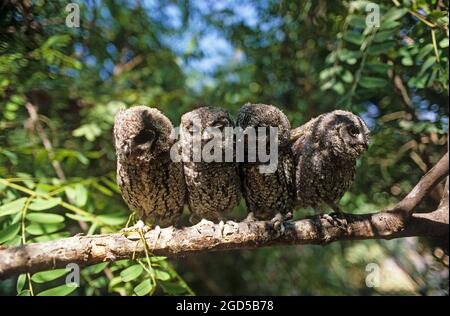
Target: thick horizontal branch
[
  {"x": 423, "y": 188},
  {"x": 207, "y": 236}
]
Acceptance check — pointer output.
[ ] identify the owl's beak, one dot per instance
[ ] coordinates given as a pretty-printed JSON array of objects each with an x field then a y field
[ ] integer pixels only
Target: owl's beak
[
  {"x": 295, "y": 134},
  {"x": 363, "y": 141}
]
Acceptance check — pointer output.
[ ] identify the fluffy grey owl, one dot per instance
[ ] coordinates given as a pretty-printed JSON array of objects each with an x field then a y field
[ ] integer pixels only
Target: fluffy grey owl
[
  {"x": 151, "y": 184},
  {"x": 325, "y": 151},
  {"x": 213, "y": 186},
  {"x": 267, "y": 195}
]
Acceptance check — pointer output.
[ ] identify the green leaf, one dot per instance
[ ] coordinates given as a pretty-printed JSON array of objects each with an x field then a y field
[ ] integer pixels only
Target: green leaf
[
  {"x": 81, "y": 195},
  {"x": 354, "y": 38},
  {"x": 386, "y": 25},
  {"x": 427, "y": 64},
  {"x": 378, "y": 67},
  {"x": 172, "y": 288},
  {"x": 21, "y": 282},
  {"x": 41, "y": 229},
  {"x": 339, "y": 88},
  {"x": 113, "y": 219},
  {"x": 112, "y": 185},
  {"x": 45, "y": 218},
  {"x": 62, "y": 290},
  {"x": 15, "y": 241},
  {"x": 9, "y": 232},
  {"x": 384, "y": 35},
  {"x": 80, "y": 218},
  {"x": 58, "y": 40},
  {"x": 114, "y": 283},
  {"x": 424, "y": 51},
  {"x": 444, "y": 43},
  {"x": 349, "y": 56},
  {"x": 382, "y": 48},
  {"x": 49, "y": 237},
  {"x": 10, "y": 155},
  {"x": 102, "y": 189},
  {"x": 131, "y": 273},
  {"x": 407, "y": 61},
  {"x": 156, "y": 259},
  {"x": 12, "y": 207},
  {"x": 24, "y": 293},
  {"x": 328, "y": 72},
  {"x": 393, "y": 14},
  {"x": 372, "y": 82},
  {"x": 25, "y": 179},
  {"x": 77, "y": 194},
  {"x": 357, "y": 21},
  {"x": 90, "y": 131},
  {"x": 97, "y": 268},
  {"x": 42, "y": 204},
  {"x": 347, "y": 77},
  {"x": 46, "y": 276},
  {"x": 143, "y": 288},
  {"x": 161, "y": 275}
]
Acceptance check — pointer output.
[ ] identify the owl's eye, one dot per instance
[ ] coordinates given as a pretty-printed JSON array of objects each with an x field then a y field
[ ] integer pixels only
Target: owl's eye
[
  {"x": 144, "y": 136},
  {"x": 353, "y": 130},
  {"x": 193, "y": 128}
]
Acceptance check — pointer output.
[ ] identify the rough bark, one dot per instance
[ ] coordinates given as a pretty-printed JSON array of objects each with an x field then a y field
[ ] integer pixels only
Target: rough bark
[{"x": 206, "y": 236}]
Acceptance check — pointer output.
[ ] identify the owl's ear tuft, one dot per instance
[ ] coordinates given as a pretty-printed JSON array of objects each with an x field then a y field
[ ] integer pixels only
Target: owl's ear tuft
[{"x": 147, "y": 120}]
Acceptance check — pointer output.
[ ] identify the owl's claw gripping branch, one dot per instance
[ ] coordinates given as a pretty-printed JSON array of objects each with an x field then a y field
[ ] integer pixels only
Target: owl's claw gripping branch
[
  {"x": 134, "y": 232},
  {"x": 200, "y": 238},
  {"x": 279, "y": 222}
]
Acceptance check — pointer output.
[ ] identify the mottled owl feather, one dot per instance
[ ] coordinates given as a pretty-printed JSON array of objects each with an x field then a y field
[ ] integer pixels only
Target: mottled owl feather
[
  {"x": 151, "y": 183},
  {"x": 213, "y": 187},
  {"x": 268, "y": 194},
  {"x": 325, "y": 152}
]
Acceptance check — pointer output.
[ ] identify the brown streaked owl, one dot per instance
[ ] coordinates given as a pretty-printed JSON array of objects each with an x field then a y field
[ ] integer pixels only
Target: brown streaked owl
[
  {"x": 325, "y": 152},
  {"x": 268, "y": 195},
  {"x": 151, "y": 183},
  {"x": 213, "y": 186}
]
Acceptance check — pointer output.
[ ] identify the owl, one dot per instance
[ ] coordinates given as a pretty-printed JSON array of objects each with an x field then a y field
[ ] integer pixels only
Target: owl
[
  {"x": 212, "y": 183},
  {"x": 268, "y": 195},
  {"x": 325, "y": 153},
  {"x": 152, "y": 184}
]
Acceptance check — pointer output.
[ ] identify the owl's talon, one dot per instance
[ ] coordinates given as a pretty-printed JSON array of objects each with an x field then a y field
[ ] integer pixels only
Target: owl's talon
[
  {"x": 288, "y": 216},
  {"x": 158, "y": 233},
  {"x": 250, "y": 218},
  {"x": 328, "y": 218},
  {"x": 278, "y": 223},
  {"x": 133, "y": 232},
  {"x": 221, "y": 228},
  {"x": 230, "y": 227},
  {"x": 342, "y": 221},
  {"x": 337, "y": 219},
  {"x": 204, "y": 222}
]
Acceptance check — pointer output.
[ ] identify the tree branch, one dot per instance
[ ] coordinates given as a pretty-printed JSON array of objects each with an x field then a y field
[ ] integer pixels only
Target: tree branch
[
  {"x": 423, "y": 188},
  {"x": 206, "y": 236}
]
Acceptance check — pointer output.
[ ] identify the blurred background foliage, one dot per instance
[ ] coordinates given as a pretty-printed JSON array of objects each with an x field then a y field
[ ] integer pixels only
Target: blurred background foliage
[{"x": 60, "y": 87}]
